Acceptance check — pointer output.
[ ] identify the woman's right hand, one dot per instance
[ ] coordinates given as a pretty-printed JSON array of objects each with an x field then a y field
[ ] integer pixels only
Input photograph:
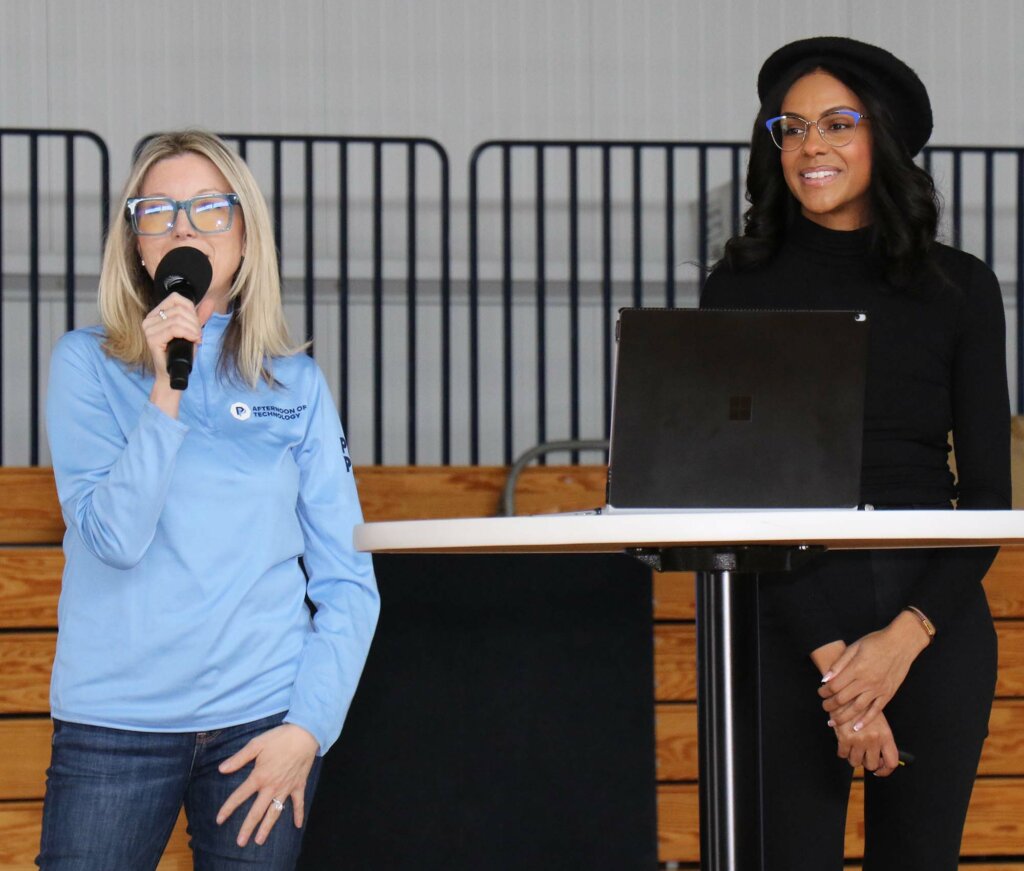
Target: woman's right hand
[
  {"x": 872, "y": 747},
  {"x": 174, "y": 318}
]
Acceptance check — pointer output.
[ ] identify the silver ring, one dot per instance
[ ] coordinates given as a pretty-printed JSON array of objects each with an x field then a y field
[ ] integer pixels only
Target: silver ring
[
  {"x": 277, "y": 804},
  {"x": 160, "y": 312}
]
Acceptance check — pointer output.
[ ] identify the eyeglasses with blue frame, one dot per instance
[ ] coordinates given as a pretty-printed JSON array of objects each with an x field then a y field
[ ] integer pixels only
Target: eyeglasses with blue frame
[
  {"x": 837, "y": 127},
  {"x": 156, "y": 216}
]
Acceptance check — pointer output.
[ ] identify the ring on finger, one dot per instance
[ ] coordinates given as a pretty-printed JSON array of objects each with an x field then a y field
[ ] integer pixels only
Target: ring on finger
[
  {"x": 163, "y": 315},
  {"x": 277, "y": 804}
]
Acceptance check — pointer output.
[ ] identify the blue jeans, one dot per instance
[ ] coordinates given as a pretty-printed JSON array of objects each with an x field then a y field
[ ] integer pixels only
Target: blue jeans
[{"x": 113, "y": 796}]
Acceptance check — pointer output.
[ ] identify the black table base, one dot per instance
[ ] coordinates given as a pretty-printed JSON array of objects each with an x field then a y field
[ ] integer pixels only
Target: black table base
[{"x": 728, "y": 705}]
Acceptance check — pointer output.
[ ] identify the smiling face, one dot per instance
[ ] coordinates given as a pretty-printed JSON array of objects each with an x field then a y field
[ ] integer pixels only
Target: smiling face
[
  {"x": 831, "y": 184},
  {"x": 181, "y": 178}
]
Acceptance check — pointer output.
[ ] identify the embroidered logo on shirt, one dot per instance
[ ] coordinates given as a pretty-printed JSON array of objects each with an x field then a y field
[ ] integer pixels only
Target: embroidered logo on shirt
[
  {"x": 276, "y": 411},
  {"x": 241, "y": 411}
]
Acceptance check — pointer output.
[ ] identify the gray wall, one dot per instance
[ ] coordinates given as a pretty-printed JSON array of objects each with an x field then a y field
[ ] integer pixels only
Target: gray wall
[{"x": 467, "y": 70}]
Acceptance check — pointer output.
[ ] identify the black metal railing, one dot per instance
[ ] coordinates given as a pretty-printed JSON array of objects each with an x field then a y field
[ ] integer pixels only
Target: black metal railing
[
  {"x": 602, "y": 197},
  {"x": 51, "y": 213},
  {"x": 560, "y": 235},
  {"x": 295, "y": 169},
  {"x": 983, "y": 190},
  {"x": 992, "y": 164}
]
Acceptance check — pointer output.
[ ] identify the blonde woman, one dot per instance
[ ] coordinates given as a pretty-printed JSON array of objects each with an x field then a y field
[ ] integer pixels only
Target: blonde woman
[{"x": 189, "y": 670}]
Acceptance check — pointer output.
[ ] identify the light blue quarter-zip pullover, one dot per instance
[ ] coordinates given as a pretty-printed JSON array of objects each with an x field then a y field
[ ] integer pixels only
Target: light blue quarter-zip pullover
[{"x": 183, "y": 602}]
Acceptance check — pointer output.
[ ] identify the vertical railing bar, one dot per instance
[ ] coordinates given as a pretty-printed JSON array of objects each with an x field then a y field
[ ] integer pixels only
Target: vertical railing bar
[
  {"x": 410, "y": 307},
  {"x": 702, "y": 209},
  {"x": 540, "y": 286},
  {"x": 574, "y": 301},
  {"x": 446, "y": 290},
  {"x": 104, "y": 191},
  {"x": 1020, "y": 281},
  {"x": 506, "y": 302},
  {"x": 957, "y": 198},
  {"x": 606, "y": 285},
  {"x": 734, "y": 199},
  {"x": 308, "y": 244},
  {"x": 637, "y": 228},
  {"x": 278, "y": 203},
  {"x": 474, "y": 314},
  {"x": 670, "y": 227},
  {"x": 344, "y": 290},
  {"x": 33, "y": 289},
  {"x": 989, "y": 208},
  {"x": 69, "y": 232},
  {"x": 378, "y": 305},
  {"x": 3, "y": 417}
]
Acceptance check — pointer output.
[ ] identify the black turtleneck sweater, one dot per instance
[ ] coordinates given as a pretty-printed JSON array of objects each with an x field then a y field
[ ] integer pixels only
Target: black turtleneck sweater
[{"x": 936, "y": 364}]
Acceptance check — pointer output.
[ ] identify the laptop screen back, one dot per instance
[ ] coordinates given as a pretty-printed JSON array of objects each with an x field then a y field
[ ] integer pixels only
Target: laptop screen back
[{"x": 737, "y": 409}]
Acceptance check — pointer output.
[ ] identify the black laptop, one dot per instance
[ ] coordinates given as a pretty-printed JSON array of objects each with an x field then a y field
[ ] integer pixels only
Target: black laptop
[{"x": 737, "y": 409}]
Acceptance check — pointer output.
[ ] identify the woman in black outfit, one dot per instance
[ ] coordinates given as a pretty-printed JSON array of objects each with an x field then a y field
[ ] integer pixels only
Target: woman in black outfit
[{"x": 865, "y": 654}]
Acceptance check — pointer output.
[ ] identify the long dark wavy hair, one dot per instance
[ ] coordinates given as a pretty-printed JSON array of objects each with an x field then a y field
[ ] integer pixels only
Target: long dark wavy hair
[{"x": 904, "y": 204}]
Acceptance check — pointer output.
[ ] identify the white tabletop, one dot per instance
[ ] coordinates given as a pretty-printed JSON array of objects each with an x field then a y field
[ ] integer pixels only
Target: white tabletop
[{"x": 583, "y": 533}]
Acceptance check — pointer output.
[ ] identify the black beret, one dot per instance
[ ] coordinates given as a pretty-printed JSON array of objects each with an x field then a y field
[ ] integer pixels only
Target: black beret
[{"x": 904, "y": 93}]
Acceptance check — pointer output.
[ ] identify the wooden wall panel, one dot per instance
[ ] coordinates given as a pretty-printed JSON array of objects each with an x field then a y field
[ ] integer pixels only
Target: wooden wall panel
[
  {"x": 401, "y": 493},
  {"x": 29, "y": 511},
  {"x": 676, "y": 741},
  {"x": 1004, "y": 584},
  {"x": 30, "y": 581},
  {"x": 24, "y": 747},
  {"x": 995, "y": 824},
  {"x": 29, "y": 586},
  {"x": 20, "y": 823},
  {"x": 19, "y": 834},
  {"x": 27, "y": 659},
  {"x": 24, "y": 757},
  {"x": 675, "y": 660}
]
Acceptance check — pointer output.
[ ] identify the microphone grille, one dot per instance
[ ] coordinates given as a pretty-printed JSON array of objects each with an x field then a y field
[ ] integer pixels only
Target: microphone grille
[{"x": 184, "y": 265}]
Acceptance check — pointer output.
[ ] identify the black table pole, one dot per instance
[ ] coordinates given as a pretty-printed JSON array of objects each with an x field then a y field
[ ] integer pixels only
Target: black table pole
[
  {"x": 728, "y": 719},
  {"x": 728, "y": 706}
]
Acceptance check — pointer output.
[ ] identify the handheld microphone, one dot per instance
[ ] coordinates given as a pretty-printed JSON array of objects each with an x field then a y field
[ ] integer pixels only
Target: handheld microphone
[{"x": 185, "y": 270}]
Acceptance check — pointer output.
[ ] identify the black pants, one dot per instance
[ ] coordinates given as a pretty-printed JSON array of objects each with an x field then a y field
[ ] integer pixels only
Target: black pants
[{"x": 914, "y": 818}]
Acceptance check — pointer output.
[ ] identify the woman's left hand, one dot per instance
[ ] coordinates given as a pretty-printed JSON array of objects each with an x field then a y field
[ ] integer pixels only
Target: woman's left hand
[
  {"x": 282, "y": 756},
  {"x": 862, "y": 681}
]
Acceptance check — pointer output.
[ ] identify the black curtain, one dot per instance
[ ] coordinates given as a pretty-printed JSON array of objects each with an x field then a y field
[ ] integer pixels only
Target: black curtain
[{"x": 505, "y": 720}]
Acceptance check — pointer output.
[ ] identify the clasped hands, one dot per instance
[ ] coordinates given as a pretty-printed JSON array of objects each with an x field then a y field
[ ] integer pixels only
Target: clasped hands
[{"x": 858, "y": 682}]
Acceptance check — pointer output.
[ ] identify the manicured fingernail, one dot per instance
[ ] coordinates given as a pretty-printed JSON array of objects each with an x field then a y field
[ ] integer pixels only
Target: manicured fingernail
[
  {"x": 857, "y": 727},
  {"x": 827, "y": 677},
  {"x": 831, "y": 724}
]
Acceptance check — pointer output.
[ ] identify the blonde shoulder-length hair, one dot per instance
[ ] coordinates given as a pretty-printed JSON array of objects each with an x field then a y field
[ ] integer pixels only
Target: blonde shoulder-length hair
[{"x": 257, "y": 332}]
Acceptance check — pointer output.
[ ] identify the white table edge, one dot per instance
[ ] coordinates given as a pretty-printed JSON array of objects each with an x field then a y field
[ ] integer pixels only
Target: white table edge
[{"x": 837, "y": 529}]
